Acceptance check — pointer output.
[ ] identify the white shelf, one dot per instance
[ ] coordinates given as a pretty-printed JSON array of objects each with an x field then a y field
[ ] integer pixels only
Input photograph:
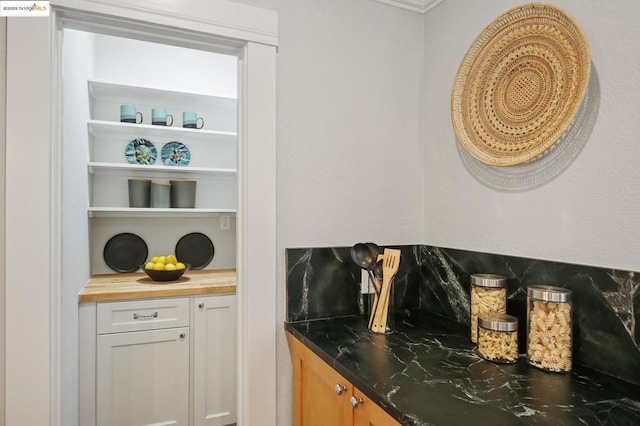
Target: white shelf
[
  {"x": 213, "y": 160},
  {"x": 118, "y": 92},
  {"x": 102, "y": 128},
  {"x": 151, "y": 212},
  {"x": 97, "y": 168}
]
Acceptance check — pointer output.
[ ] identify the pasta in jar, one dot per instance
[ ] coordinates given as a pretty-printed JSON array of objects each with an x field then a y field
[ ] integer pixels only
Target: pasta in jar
[
  {"x": 488, "y": 294},
  {"x": 498, "y": 337},
  {"x": 549, "y": 333}
]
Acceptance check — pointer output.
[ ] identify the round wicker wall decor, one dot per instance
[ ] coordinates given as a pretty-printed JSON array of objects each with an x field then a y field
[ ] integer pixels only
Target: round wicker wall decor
[{"x": 520, "y": 85}]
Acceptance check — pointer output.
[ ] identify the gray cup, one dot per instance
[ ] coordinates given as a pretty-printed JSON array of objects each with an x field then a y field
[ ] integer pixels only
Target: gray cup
[
  {"x": 139, "y": 192},
  {"x": 183, "y": 193},
  {"x": 160, "y": 195}
]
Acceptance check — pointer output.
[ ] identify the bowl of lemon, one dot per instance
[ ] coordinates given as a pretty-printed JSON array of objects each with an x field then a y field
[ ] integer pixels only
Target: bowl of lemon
[{"x": 165, "y": 268}]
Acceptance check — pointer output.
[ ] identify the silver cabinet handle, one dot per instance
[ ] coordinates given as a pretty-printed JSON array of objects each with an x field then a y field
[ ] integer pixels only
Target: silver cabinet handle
[
  {"x": 200, "y": 305},
  {"x": 355, "y": 401},
  {"x": 340, "y": 388},
  {"x": 183, "y": 335},
  {"x": 138, "y": 316}
]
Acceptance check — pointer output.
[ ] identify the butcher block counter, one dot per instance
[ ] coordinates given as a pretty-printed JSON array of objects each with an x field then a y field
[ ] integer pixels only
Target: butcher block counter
[{"x": 138, "y": 285}]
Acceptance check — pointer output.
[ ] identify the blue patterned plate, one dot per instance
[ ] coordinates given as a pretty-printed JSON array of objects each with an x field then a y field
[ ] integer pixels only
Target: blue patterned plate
[
  {"x": 141, "y": 151},
  {"x": 175, "y": 154}
]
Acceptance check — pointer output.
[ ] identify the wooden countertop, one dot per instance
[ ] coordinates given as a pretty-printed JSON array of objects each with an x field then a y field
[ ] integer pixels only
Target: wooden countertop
[{"x": 138, "y": 285}]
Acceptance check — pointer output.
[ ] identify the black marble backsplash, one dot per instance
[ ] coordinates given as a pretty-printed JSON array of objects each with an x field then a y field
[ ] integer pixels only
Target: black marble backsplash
[{"x": 325, "y": 283}]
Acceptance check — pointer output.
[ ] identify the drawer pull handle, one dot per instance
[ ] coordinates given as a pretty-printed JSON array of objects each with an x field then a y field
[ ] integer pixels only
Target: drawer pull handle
[
  {"x": 355, "y": 401},
  {"x": 183, "y": 335},
  {"x": 201, "y": 305},
  {"x": 340, "y": 388},
  {"x": 138, "y": 316}
]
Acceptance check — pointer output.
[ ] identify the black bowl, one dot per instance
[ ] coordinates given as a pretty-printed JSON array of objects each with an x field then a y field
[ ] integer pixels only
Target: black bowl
[{"x": 165, "y": 275}]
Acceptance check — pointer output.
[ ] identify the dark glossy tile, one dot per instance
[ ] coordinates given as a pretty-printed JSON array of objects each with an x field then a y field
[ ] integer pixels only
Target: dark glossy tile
[{"x": 325, "y": 283}]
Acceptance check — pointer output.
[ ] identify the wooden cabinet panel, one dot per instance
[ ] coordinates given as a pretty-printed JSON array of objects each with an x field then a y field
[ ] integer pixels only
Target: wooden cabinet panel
[
  {"x": 368, "y": 413},
  {"x": 316, "y": 401},
  {"x": 322, "y": 397}
]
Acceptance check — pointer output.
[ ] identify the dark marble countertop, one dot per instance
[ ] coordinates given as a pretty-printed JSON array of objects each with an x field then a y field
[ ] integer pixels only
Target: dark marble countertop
[{"x": 427, "y": 373}]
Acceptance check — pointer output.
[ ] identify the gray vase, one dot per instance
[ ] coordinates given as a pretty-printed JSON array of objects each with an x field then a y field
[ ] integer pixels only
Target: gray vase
[
  {"x": 183, "y": 193},
  {"x": 139, "y": 192}
]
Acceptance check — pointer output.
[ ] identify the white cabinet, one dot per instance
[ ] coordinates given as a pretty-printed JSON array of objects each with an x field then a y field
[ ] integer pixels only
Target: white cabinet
[
  {"x": 162, "y": 361},
  {"x": 142, "y": 363},
  {"x": 214, "y": 360},
  {"x": 143, "y": 378},
  {"x": 212, "y": 149}
]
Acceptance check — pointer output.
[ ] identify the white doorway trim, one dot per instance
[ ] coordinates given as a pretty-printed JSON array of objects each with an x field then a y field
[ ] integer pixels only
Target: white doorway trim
[{"x": 253, "y": 33}]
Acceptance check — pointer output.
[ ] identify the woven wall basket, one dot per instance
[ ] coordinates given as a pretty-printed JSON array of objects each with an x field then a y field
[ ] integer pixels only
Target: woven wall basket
[{"x": 520, "y": 85}]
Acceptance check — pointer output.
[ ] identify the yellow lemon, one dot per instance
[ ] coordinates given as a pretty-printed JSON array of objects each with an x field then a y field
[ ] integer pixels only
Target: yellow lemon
[
  {"x": 162, "y": 259},
  {"x": 169, "y": 267},
  {"x": 155, "y": 259},
  {"x": 158, "y": 266},
  {"x": 171, "y": 259},
  {"x": 180, "y": 265},
  {"x": 149, "y": 265}
]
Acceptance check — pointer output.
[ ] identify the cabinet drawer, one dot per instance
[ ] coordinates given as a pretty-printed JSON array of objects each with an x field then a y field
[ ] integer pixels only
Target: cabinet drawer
[{"x": 137, "y": 315}]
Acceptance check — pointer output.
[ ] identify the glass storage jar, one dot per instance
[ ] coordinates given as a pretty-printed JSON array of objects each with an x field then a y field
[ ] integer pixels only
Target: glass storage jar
[
  {"x": 498, "y": 337},
  {"x": 488, "y": 294},
  {"x": 549, "y": 329}
]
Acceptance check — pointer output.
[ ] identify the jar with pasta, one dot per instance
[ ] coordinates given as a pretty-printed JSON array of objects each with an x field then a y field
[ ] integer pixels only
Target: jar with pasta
[
  {"x": 549, "y": 328},
  {"x": 488, "y": 294},
  {"x": 498, "y": 337}
]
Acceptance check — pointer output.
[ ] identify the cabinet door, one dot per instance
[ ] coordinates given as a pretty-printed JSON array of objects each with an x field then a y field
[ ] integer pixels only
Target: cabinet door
[
  {"x": 320, "y": 394},
  {"x": 143, "y": 378},
  {"x": 367, "y": 413},
  {"x": 214, "y": 360}
]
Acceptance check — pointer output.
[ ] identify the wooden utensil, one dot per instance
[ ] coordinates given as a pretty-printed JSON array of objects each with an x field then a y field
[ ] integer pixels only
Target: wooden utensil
[
  {"x": 389, "y": 270},
  {"x": 377, "y": 283}
]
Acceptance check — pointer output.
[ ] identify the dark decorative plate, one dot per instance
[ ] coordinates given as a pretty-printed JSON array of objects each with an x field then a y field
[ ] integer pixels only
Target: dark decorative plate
[
  {"x": 175, "y": 154},
  {"x": 141, "y": 151},
  {"x": 125, "y": 252},
  {"x": 196, "y": 249}
]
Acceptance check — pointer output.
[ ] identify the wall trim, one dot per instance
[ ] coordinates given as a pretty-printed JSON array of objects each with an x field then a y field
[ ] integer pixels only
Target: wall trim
[
  {"x": 221, "y": 17},
  {"x": 3, "y": 79},
  {"x": 419, "y": 6}
]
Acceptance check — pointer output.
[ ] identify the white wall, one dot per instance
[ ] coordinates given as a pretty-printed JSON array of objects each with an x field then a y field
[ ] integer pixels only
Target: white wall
[
  {"x": 146, "y": 64},
  {"x": 353, "y": 163},
  {"x": 349, "y": 149},
  {"x": 588, "y": 214}
]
